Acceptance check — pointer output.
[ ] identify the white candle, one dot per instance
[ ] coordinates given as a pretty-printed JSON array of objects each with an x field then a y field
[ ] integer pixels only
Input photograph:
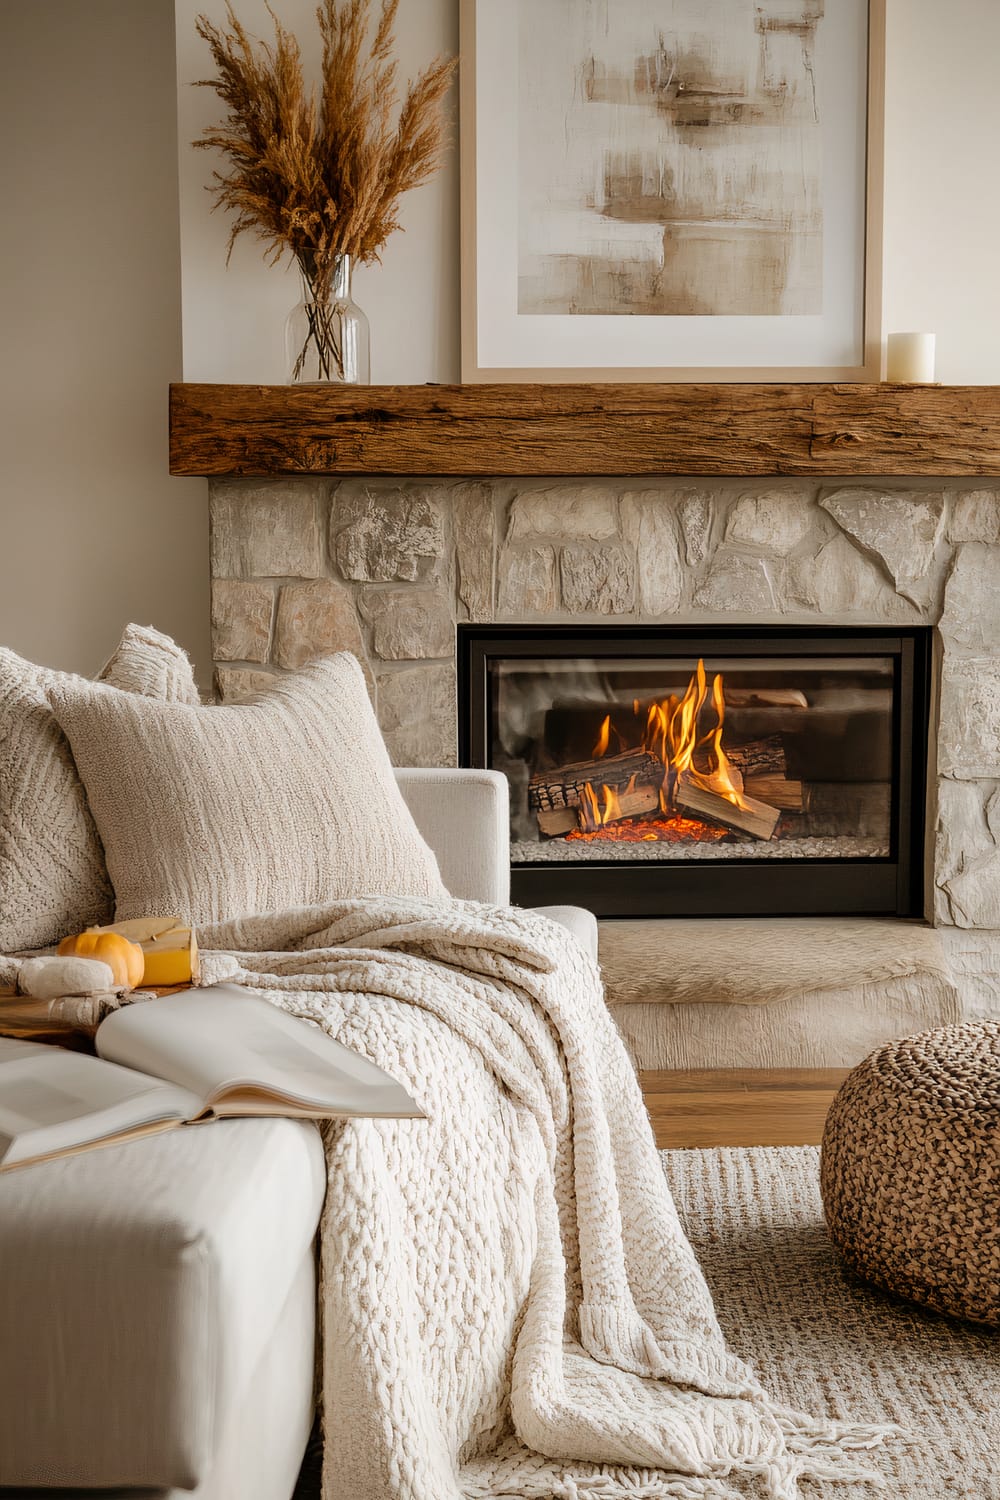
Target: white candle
[{"x": 910, "y": 359}]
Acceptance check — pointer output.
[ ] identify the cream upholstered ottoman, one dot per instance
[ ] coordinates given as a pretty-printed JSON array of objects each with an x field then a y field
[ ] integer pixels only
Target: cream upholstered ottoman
[{"x": 910, "y": 1170}]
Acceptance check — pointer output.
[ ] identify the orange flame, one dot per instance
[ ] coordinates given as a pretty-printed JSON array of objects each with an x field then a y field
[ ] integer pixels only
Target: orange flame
[
  {"x": 595, "y": 814},
  {"x": 672, "y": 733},
  {"x": 604, "y": 734},
  {"x": 727, "y": 780},
  {"x": 603, "y": 738}
]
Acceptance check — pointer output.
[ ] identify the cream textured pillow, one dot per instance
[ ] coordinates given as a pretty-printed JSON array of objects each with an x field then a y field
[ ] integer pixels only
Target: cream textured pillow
[
  {"x": 53, "y": 879},
  {"x": 212, "y": 813}
]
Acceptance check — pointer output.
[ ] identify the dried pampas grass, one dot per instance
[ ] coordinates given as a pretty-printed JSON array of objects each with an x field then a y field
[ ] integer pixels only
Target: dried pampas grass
[{"x": 322, "y": 177}]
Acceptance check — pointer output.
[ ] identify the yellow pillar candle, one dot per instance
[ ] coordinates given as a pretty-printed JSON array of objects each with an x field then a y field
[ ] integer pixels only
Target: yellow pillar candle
[{"x": 910, "y": 359}]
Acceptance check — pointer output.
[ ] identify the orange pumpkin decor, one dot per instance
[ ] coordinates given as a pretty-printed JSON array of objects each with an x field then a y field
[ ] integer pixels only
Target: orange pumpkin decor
[{"x": 124, "y": 959}]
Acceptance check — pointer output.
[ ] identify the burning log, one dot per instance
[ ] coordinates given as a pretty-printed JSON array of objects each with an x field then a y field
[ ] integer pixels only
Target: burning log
[
  {"x": 759, "y": 757},
  {"x": 766, "y": 698},
  {"x": 560, "y": 820},
  {"x": 563, "y": 787},
  {"x": 762, "y": 765},
  {"x": 790, "y": 796},
  {"x": 681, "y": 764},
  {"x": 598, "y": 809},
  {"x": 753, "y": 817}
]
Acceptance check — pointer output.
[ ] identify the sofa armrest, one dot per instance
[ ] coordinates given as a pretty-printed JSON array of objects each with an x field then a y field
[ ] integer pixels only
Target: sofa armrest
[{"x": 464, "y": 816}]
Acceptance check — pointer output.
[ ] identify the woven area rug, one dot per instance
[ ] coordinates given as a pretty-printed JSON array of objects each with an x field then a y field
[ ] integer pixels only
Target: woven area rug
[
  {"x": 823, "y": 1342},
  {"x": 826, "y": 1344}
]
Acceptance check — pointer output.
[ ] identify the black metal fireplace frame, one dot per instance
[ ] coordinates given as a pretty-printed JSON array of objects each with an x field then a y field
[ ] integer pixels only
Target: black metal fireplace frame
[{"x": 892, "y": 886}]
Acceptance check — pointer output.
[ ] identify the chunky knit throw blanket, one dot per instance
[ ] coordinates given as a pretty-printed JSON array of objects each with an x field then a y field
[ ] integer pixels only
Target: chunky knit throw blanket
[{"x": 510, "y": 1307}]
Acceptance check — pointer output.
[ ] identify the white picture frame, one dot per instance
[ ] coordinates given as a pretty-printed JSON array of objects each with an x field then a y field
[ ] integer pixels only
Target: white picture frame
[{"x": 520, "y": 119}]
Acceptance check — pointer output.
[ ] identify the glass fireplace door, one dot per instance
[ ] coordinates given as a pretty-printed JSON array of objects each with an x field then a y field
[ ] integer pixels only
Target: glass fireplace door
[{"x": 671, "y": 764}]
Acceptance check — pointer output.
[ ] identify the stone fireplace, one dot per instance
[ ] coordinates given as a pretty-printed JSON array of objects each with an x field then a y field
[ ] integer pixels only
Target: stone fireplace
[{"x": 388, "y": 568}]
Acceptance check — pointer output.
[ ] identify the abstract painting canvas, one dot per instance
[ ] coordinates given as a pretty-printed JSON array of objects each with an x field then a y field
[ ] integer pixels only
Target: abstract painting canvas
[{"x": 650, "y": 184}]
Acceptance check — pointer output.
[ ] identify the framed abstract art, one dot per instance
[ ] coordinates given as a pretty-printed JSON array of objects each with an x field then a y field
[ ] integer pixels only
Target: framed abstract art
[{"x": 671, "y": 189}]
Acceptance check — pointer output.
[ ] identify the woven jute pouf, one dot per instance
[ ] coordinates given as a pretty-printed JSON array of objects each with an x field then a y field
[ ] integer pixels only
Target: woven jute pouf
[{"x": 910, "y": 1169}]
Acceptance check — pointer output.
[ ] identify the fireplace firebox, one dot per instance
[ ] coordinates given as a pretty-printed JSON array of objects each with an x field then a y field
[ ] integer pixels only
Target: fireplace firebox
[{"x": 706, "y": 770}]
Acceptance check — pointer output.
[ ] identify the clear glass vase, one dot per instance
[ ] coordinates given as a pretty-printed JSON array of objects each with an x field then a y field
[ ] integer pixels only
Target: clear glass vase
[{"x": 327, "y": 338}]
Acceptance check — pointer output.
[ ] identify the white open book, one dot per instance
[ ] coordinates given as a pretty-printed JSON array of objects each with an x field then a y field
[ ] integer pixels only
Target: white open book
[{"x": 178, "y": 1060}]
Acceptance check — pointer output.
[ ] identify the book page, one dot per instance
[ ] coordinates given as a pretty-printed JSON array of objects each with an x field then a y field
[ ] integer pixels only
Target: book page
[
  {"x": 53, "y": 1101},
  {"x": 241, "y": 1055}
]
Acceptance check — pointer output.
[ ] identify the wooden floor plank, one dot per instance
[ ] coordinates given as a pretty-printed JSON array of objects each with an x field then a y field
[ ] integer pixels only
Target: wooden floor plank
[
  {"x": 745, "y": 1078},
  {"x": 740, "y": 1106}
]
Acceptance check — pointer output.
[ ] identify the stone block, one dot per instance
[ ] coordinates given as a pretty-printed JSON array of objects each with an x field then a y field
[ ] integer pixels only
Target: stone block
[
  {"x": 527, "y": 580},
  {"x": 775, "y": 521},
  {"x": 566, "y": 512},
  {"x": 417, "y": 709},
  {"x": 969, "y": 728},
  {"x": 902, "y": 529},
  {"x": 967, "y": 869},
  {"x": 695, "y": 511},
  {"x": 241, "y": 619},
  {"x": 738, "y": 585},
  {"x": 379, "y": 536},
  {"x": 475, "y": 547},
  {"x": 409, "y": 624},
  {"x": 234, "y": 684},
  {"x": 975, "y": 517},
  {"x": 961, "y": 825},
  {"x": 839, "y": 579},
  {"x": 316, "y": 619},
  {"x": 648, "y": 523},
  {"x": 970, "y": 620},
  {"x": 266, "y": 529},
  {"x": 598, "y": 580},
  {"x": 974, "y": 960}
]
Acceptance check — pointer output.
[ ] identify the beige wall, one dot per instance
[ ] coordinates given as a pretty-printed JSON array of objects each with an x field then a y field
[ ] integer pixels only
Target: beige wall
[
  {"x": 93, "y": 531},
  {"x": 942, "y": 207}
]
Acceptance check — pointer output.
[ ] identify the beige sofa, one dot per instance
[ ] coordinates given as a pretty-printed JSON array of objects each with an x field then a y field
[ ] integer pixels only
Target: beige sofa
[{"x": 157, "y": 1300}]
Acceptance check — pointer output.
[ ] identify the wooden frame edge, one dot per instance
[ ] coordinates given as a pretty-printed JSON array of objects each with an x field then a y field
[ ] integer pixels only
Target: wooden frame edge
[{"x": 870, "y": 370}]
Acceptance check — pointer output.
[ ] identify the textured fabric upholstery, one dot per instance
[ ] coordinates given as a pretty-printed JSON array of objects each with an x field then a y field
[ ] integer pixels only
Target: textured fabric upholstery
[
  {"x": 577, "y": 920},
  {"x": 264, "y": 1434},
  {"x": 140, "y": 1286},
  {"x": 464, "y": 816},
  {"x": 222, "y": 812},
  {"x": 53, "y": 880}
]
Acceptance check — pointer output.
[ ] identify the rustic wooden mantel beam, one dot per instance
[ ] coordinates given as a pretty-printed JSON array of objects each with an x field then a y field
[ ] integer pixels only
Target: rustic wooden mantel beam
[{"x": 647, "y": 430}]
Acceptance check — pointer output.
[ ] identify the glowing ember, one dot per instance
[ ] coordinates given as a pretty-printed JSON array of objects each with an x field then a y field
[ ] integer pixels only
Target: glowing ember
[{"x": 674, "y": 830}]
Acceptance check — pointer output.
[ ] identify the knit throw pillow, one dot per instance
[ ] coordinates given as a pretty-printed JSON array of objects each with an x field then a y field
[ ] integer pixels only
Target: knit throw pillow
[
  {"x": 287, "y": 800},
  {"x": 53, "y": 879}
]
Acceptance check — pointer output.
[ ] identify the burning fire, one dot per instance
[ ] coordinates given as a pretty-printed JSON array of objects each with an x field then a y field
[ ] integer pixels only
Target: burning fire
[
  {"x": 597, "y": 813},
  {"x": 675, "y": 735},
  {"x": 672, "y": 734}
]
